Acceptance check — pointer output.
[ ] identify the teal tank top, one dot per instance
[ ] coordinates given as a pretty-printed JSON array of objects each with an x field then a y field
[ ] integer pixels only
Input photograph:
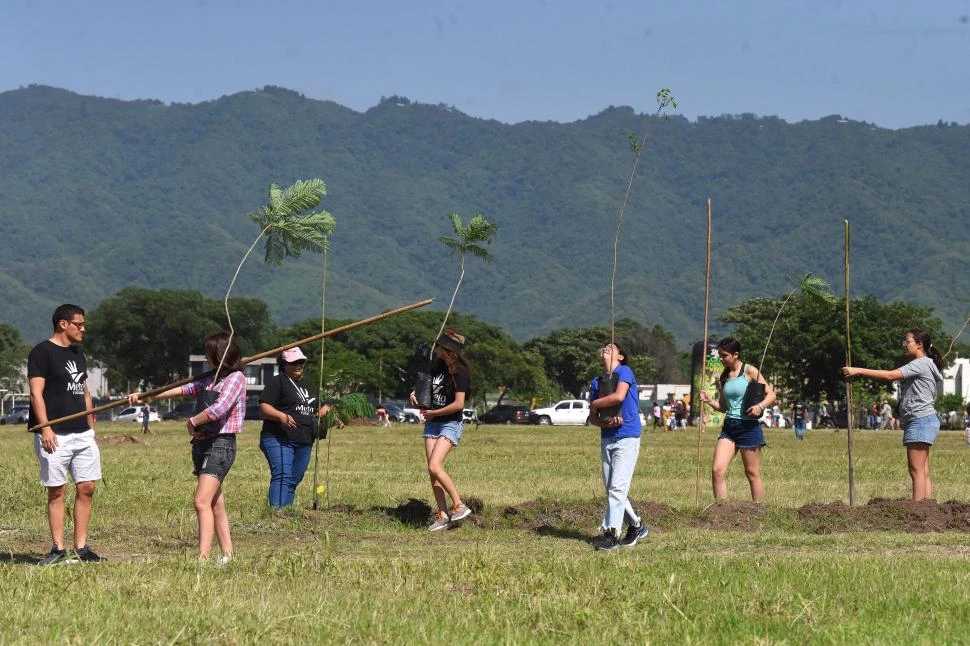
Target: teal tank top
[{"x": 733, "y": 391}]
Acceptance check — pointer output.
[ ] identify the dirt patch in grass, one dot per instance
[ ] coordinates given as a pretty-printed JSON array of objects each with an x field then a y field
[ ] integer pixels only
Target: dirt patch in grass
[
  {"x": 744, "y": 516},
  {"x": 119, "y": 439},
  {"x": 881, "y": 514},
  {"x": 578, "y": 519}
]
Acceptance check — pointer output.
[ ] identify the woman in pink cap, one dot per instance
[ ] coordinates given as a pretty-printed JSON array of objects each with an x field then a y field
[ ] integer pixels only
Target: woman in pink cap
[{"x": 290, "y": 418}]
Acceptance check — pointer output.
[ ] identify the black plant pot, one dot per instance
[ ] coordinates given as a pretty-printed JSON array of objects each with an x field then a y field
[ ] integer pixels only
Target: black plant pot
[
  {"x": 607, "y": 386},
  {"x": 753, "y": 395},
  {"x": 203, "y": 400},
  {"x": 422, "y": 390}
]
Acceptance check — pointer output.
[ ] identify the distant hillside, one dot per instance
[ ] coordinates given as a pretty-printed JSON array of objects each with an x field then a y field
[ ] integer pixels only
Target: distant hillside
[{"x": 97, "y": 194}]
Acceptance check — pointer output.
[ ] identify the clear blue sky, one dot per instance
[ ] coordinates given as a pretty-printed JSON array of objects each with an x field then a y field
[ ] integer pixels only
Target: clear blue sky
[{"x": 895, "y": 63}]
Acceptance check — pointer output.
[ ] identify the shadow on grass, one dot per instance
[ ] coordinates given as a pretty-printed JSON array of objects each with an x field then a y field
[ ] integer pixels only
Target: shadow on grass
[
  {"x": 413, "y": 513},
  {"x": 565, "y": 533},
  {"x": 19, "y": 559}
]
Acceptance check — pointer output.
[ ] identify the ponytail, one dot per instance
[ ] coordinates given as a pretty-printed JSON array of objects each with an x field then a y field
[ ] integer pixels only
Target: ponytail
[{"x": 922, "y": 337}]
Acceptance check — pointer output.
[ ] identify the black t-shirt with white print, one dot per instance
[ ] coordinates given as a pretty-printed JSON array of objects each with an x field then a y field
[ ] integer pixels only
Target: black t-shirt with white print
[
  {"x": 443, "y": 391},
  {"x": 292, "y": 398},
  {"x": 64, "y": 371}
]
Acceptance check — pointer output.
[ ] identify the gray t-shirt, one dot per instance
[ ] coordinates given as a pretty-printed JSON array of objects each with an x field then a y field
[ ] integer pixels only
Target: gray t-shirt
[{"x": 921, "y": 383}]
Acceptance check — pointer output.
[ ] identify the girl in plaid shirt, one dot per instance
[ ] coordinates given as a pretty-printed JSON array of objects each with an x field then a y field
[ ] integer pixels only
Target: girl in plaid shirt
[{"x": 213, "y": 430}]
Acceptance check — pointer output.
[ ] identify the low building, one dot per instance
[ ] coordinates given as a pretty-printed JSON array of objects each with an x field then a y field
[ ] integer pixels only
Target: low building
[
  {"x": 257, "y": 373},
  {"x": 956, "y": 378}
]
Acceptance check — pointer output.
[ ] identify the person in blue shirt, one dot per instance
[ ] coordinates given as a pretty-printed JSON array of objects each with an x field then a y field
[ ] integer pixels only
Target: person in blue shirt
[
  {"x": 619, "y": 447},
  {"x": 741, "y": 432}
]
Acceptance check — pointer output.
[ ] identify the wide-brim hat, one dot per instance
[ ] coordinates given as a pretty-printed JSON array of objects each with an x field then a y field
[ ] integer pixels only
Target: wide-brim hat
[{"x": 455, "y": 342}]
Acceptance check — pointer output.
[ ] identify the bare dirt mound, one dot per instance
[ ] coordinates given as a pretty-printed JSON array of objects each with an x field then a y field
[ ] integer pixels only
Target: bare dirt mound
[
  {"x": 742, "y": 516},
  {"x": 881, "y": 514},
  {"x": 118, "y": 439},
  {"x": 578, "y": 519}
]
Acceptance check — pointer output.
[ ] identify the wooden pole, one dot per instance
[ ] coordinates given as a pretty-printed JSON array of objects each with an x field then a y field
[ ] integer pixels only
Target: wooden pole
[
  {"x": 245, "y": 360},
  {"x": 316, "y": 440},
  {"x": 848, "y": 362},
  {"x": 700, "y": 405}
]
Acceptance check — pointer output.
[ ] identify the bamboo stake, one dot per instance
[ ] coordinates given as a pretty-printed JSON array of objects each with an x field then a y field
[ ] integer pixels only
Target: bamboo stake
[
  {"x": 316, "y": 440},
  {"x": 848, "y": 362},
  {"x": 700, "y": 406},
  {"x": 244, "y": 361}
]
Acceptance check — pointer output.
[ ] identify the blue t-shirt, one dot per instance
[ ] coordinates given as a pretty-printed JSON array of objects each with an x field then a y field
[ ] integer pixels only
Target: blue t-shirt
[{"x": 629, "y": 409}]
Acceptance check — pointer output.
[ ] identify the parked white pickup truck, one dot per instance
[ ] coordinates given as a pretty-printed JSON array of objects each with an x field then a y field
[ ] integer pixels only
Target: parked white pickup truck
[{"x": 568, "y": 411}]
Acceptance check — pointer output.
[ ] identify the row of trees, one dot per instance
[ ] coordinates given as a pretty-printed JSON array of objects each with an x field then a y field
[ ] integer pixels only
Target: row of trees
[
  {"x": 808, "y": 349},
  {"x": 145, "y": 336}
]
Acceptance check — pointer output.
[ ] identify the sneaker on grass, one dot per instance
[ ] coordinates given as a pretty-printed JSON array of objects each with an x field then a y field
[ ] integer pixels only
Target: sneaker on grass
[
  {"x": 441, "y": 521},
  {"x": 56, "y": 556},
  {"x": 607, "y": 541},
  {"x": 461, "y": 511},
  {"x": 87, "y": 555},
  {"x": 634, "y": 533}
]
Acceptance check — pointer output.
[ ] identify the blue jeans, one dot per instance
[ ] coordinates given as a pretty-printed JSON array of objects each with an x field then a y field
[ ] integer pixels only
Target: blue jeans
[
  {"x": 619, "y": 460},
  {"x": 287, "y": 464}
]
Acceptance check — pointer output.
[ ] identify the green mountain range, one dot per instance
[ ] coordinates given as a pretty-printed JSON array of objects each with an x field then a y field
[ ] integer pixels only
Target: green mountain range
[{"x": 97, "y": 194}]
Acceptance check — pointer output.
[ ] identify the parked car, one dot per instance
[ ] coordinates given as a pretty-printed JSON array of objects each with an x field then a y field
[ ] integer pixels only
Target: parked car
[
  {"x": 395, "y": 412},
  {"x": 568, "y": 411},
  {"x": 16, "y": 415},
  {"x": 412, "y": 415},
  {"x": 181, "y": 411},
  {"x": 505, "y": 414},
  {"x": 470, "y": 416},
  {"x": 133, "y": 414}
]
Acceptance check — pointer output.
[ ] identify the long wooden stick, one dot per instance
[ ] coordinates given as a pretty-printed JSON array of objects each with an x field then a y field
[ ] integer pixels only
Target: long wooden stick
[
  {"x": 700, "y": 405},
  {"x": 245, "y": 360},
  {"x": 316, "y": 440},
  {"x": 848, "y": 362}
]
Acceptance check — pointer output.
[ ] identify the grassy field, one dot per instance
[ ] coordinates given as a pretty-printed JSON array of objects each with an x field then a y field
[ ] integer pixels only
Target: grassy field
[{"x": 522, "y": 571}]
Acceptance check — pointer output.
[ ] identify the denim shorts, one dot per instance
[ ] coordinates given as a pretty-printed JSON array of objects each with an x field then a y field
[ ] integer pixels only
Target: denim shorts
[
  {"x": 745, "y": 433},
  {"x": 213, "y": 456},
  {"x": 922, "y": 430},
  {"x": 450, "y": 430}
]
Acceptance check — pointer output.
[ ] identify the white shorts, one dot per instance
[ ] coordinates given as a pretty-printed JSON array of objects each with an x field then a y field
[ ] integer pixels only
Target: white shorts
[{"x": 75, "y": 452}]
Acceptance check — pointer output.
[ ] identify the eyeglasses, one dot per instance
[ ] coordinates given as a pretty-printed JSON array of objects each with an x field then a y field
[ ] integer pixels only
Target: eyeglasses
[
  {"x": 78, "y": 324},
  {"x": 908, "y": 341}
]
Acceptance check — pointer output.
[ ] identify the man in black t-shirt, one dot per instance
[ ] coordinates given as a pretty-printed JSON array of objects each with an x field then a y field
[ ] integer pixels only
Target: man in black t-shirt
[{"x": 57, "y": 372}]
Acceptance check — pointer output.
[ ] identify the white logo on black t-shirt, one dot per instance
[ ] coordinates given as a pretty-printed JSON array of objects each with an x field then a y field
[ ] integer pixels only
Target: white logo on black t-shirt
[{"x": 74, "y": 384}]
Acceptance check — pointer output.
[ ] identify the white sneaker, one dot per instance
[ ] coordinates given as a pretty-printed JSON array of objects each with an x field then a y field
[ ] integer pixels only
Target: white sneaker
[{"x": 224, "y": 560}]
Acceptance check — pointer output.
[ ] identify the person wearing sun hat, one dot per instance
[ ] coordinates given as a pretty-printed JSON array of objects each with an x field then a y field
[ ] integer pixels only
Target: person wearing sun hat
[
  {"x": 451, "y": 387},
  {"x": 290, "y": 417}
]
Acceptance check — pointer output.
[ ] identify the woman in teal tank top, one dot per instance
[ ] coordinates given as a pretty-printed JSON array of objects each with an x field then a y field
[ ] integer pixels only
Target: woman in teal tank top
[{"x": 742, "y": 431}]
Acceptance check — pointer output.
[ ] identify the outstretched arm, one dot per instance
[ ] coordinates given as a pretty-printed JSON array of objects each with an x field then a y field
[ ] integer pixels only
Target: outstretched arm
[{"x": 881, "y": 375}]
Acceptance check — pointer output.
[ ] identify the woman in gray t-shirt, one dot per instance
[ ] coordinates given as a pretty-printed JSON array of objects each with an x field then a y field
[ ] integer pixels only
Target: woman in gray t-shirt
[{"x": 922, "y": 382}]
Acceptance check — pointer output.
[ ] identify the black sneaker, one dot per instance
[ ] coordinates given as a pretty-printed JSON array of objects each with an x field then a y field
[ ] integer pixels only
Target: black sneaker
[
  {"x": 54, "y": 556},
  {"x": 633, "y": 534},
  {"x": 607, "y": 541},
  {"x": 87, "y": 555}
]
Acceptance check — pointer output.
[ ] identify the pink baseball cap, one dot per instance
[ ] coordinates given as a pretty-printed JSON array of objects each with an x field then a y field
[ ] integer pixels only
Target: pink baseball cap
[{"x": 293, "y": 355}]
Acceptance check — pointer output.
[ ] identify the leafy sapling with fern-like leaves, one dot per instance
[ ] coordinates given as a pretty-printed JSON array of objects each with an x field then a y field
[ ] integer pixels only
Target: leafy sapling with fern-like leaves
[
  {"x": 468, "y": 240},
  {"x": 290, "y": 226},
  {"x": 812, "y": 286}
]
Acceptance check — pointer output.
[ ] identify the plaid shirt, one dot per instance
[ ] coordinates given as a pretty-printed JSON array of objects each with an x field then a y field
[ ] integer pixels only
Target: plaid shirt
[{"x": 229, "y": 411}]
